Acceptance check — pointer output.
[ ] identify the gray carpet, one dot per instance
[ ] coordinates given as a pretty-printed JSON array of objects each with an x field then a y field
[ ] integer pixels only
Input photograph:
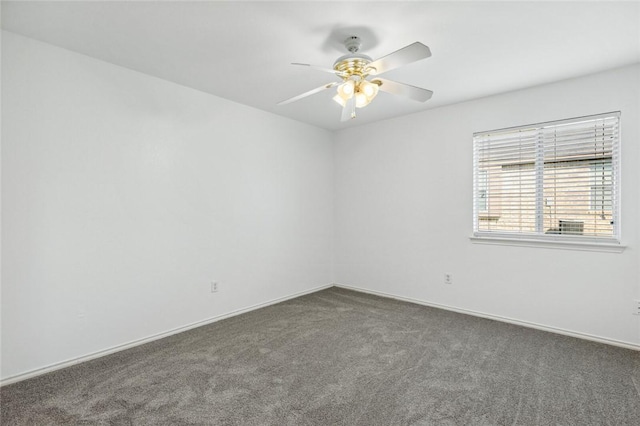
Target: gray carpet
[{"x": 347, "y": 358}]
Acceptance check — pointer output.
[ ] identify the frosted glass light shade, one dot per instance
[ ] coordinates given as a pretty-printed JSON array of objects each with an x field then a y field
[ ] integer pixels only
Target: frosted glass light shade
[{"x": 365, "y": 92}]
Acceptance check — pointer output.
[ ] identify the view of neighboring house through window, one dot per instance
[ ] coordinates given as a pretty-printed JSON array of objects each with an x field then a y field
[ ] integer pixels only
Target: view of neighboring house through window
[
  {"x": 601, "y": 187},
  {"x": 481, "y": 200},
  {"x": 548, "y": 181}
]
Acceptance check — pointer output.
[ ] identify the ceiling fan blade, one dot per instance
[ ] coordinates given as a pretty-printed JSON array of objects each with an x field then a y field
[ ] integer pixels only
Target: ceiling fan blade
[
  {"x": 309, "y": 93},
  {"x": 316, "y": 67},
  {"x": 416, "y": 93},
  {"x": 408, "y": 54},
  {"x": 349, "y": 109}
]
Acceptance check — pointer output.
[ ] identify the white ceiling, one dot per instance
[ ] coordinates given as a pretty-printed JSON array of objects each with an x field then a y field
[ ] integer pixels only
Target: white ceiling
[{"x": 242, "y": 50}]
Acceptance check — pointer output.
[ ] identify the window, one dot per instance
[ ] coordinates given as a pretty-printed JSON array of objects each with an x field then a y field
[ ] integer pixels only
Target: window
[{"x": 555, "y": 181}]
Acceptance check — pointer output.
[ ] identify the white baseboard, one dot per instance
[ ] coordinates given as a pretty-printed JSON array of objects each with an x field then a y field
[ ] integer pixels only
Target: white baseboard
[
  {"x": 557, "y": 330},
  {"x": 138, "y": 342}
]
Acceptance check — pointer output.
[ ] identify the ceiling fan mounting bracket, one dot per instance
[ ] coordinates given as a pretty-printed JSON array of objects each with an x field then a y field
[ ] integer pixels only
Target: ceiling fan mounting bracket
[{"x": 352, "y": 43}]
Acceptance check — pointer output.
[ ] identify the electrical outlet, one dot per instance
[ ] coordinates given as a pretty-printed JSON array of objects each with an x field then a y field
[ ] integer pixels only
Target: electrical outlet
[
  {"x": 214, "y": 286},
  {"x": 636, "y": 307},
  {"x": 448, "y": 279}
]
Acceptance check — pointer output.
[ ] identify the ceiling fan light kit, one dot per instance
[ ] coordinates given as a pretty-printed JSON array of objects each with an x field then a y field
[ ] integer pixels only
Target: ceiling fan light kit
[
  {"x": 355, "y": 90},
  {"x": 363, "y": 91}
]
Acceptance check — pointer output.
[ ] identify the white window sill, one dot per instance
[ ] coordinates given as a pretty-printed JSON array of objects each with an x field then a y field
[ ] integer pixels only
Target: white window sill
[{"x": 552, "y": 244}]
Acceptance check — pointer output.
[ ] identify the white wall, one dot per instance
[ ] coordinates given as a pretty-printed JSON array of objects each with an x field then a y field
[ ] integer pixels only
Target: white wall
[
  {"x": 124, "y": 195},
  {"x": 403, "y": 214}
]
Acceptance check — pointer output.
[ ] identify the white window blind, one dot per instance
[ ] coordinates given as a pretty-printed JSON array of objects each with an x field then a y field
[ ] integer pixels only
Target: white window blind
[{"x": 550, "y": 181}]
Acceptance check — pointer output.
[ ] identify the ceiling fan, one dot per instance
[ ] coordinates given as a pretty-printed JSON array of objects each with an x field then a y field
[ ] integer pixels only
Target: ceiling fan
[{"x": 358, "y": 73}]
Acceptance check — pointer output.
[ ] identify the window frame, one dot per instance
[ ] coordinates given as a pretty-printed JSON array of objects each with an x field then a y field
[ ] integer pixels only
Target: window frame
[{"x": 537, "y": 238}]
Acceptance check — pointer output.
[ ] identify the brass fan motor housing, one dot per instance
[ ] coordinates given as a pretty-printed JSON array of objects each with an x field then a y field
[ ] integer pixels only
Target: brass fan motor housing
[{"x": 353, "y": 65}]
